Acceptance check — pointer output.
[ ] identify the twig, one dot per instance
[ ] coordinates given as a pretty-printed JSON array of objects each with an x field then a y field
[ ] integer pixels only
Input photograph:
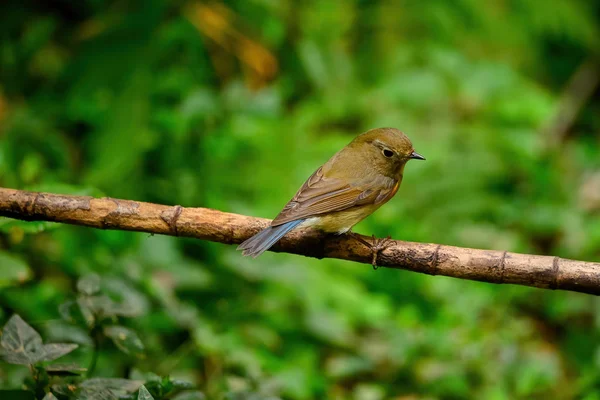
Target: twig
[{"x": 206, "y": 224}]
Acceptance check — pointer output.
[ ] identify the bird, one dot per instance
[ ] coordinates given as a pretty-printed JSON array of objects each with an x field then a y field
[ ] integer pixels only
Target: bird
[{"x": 354, "y": 183}]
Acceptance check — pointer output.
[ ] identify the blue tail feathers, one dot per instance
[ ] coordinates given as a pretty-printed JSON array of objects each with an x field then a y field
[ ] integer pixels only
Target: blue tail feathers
[{"x": 266, "y": 238}]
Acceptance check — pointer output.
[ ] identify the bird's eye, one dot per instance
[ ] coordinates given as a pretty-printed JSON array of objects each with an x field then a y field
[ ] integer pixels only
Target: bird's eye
[{"x": 388, "y": 153}]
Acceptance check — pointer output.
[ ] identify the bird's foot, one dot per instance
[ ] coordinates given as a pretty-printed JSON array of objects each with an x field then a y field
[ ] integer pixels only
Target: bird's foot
[{"x": 376, "y": 246}]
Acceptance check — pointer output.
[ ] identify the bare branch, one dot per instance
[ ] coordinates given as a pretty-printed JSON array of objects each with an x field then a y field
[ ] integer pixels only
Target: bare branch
[{"x": 202, "y": 223}]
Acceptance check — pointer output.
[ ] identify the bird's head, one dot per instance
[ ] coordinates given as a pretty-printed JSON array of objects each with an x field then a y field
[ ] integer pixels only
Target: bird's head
[{"x": 387, "y": 149}]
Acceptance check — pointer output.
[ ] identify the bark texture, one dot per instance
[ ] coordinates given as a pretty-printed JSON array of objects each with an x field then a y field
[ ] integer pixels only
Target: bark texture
[{"x": 206, "y": 224}]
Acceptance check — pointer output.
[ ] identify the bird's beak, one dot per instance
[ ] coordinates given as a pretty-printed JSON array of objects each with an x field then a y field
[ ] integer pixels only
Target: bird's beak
[{"x": 416, "y": 156}]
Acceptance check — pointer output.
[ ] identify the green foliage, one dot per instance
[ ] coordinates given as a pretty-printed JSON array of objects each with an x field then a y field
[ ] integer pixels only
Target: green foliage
[
  {"x": 21, "y": 344},
  {"x": 14, "y": 270},
  {"x": 231, "y": 105}
]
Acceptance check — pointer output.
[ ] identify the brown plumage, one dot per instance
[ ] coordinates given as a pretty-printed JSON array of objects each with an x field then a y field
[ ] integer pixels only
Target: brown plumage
[{"x": 354, "y": 183}]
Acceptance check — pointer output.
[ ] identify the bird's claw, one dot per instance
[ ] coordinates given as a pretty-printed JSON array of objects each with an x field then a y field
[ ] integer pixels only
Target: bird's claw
[
  {"x": 379, "y": 245},
  {"x": 376, "y": 246}
]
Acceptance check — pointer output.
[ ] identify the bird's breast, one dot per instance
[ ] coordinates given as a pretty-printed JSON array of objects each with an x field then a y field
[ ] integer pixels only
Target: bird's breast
[{"x": 341, "y": 221}]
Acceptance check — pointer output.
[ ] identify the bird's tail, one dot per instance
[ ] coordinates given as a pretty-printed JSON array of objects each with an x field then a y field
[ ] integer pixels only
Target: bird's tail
[{"x": 266, "y": 238}]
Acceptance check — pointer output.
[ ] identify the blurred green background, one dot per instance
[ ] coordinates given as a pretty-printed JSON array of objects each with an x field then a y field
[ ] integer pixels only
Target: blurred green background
[{"x": 231, "y": 105}]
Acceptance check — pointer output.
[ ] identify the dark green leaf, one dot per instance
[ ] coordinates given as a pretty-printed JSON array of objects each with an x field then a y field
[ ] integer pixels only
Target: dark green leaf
[
  {"x": 21, "y": 344},
  {"x": 65, "y": 369},
  {"x": 248, "y": 396},
  {"x": 144, "y": 394},
  {"x": 98, "y": 389},
  {"x": 104, "y": 306},
  {"x": 166, "y": 384},
  {"x": 100, "y": 306},
  {"x": 97, "y": 394},
  {"x": 190, "y": 395},
  {"x": 77, "y": 312},
  {"x": 116, "y": 384},
  {"x": 53, "y": 351},
  {"x": 67, "y": 390},
  {"x": 89, "y": 284},
  {"x": 125, "y": 339},
  {"x": 128, "y": 301},
  {"x": 181, "y": 385}
]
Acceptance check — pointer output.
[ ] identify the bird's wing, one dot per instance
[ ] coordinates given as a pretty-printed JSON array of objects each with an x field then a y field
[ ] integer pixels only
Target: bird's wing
[{"x": 321, "y": 194}]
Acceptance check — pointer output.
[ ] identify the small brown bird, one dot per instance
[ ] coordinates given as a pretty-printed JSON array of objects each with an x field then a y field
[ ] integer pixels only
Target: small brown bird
[{"x": 354, "y": 183}]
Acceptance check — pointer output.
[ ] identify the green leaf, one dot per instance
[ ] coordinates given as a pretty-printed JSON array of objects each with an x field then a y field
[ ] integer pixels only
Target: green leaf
[
  {"x": 125, "y": 339},
  {"x": 178, "y": 384},
  {"x": 116, "y": 384},
  {"x": 166, "y": 384},
  {"x": 97, "y": 394},
  {"x": 245, "y": 395},
  {"x": 129, "y": 302},
  {"x": 56, "y": 350},
  {"x": 89, "y": 284},
  {"x": 21, "y": 344},
  {"x": 100, "y": 305},
  {"x": 190, "y": 395},
  {"x": 49, "y": 396},
  {"x": 13, "y": 270},
  {"x": 67, "y": 390},
  {"x": 98, "y": 389},
  {"x": 77, "y": 312},
  {"x": 144, "y": 394},
  {"x": 65, "y": 369}
]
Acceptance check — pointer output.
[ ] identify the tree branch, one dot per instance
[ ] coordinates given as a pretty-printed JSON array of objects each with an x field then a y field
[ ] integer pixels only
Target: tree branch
[{"x": 202, "y": 223}]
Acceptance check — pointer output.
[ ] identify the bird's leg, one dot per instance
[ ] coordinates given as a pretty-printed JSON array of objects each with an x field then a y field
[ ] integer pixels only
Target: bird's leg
[{"x": 376, "y": 245}]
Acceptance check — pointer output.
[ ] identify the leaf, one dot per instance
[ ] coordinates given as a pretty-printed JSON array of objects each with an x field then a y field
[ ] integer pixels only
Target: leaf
[
  {"x": 130, "y": 302},
  {"x": 66, "y": 389},
  {"x": 125, "y": 339},
  {"x": 21, "y": 344},
  {"x": 178, "y": 384},
  {"x": 144, "y": 394},
  {"x": 115, "y": 384},
  {"x": 13, "y": 270},
  {"x": 245, "y": 395},
  {"x": 98, "y": 389},
  {"x": 97, "y": 394},
  {"x": 49, "y": 396},
  {"x": 65, "y": 369},
  {"x": 77, "y": 312},
  {"x": 89, "y": 284},
  {"x": 53, "y": 351},
  {"x": 100, "y": 305},
  {"x": 190, "y": 395},
  {"x": 105, "y": 388},
  {"x": 104, "y": 306},
  {"x": 166, "y": 384}
]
